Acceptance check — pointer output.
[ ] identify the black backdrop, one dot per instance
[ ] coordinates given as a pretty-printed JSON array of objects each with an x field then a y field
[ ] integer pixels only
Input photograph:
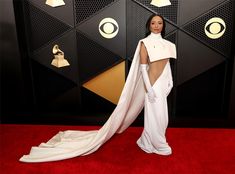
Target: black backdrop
[{"x": 203, "y": 73}]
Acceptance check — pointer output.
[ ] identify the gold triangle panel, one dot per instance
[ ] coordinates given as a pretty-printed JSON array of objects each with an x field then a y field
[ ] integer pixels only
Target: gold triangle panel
[{"x": 108, "y": 84}]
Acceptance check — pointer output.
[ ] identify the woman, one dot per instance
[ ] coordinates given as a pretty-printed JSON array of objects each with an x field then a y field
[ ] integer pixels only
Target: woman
[
  {"x": 152, "y": 50},
  {"x": 154, "y": 57}
]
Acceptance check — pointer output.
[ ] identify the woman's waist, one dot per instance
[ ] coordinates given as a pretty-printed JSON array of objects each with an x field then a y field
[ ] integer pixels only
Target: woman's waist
[{"x": 157, "y": 70}]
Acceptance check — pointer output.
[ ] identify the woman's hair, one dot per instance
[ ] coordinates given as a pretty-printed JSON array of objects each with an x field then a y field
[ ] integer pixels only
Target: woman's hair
[{"x": 148, "y": 25}]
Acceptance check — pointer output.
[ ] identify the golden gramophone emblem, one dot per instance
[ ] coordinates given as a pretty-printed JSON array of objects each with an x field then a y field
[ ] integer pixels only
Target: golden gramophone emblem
[
  {"x": 59, "y": 60},
  {"x": 160, "y": 3},
  {"x": 55, "y": 3}
]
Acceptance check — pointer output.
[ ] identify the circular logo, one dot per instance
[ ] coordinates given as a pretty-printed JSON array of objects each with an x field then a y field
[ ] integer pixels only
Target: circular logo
[
  {"x": 108, "y": 28},
  {"x": 215, "y": 28}
]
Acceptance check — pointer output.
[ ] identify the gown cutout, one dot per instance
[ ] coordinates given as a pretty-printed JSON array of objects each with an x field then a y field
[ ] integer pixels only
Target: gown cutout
[{"x": 73, "y": 143}]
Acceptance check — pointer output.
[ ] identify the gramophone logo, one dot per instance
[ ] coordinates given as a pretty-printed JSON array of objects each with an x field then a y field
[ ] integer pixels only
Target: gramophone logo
[
  {"x": 108, "y": 28},
  {"x": 160, "y": 3},
  {"x": 55, "y": 3},
  {"x": 59, "y": 60},
  {"x": 215, "y": 28}
]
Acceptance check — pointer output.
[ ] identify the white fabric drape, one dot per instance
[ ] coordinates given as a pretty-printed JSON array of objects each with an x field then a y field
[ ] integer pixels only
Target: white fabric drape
[{"x": 69, "y": 144}]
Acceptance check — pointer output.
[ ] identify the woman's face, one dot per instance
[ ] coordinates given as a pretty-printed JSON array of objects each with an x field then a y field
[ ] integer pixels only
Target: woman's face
[{"x": 156, "y": 25}]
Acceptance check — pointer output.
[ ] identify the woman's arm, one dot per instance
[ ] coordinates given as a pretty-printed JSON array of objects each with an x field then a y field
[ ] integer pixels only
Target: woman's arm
[
  {"x": 143, "y": 54},
  {"x": 144, "y": 65}
]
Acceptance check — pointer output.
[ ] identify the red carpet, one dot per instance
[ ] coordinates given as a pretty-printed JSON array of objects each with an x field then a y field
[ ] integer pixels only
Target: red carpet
[{"x": 195, "y": 151}]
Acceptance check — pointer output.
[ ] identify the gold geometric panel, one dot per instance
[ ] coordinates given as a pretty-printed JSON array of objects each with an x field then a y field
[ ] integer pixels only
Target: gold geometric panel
[{"x": 108, "y": 84}]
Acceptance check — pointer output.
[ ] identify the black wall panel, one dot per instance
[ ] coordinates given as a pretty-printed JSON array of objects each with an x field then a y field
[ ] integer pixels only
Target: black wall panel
[
  {"x": 95, "y": 60},
  {"x": 204, "y": 95},
  {"x": 85, "y": 9},
  {"x": 136, "y": 19},
  {"x": 41, "y": 26},
  {"x": 14, "y": 94},
  {"x": 196, "y": 27},
  {"x": 67, "y": 16},
  {"x": 194, "y": 58},
  {"x": 115, "y": 11},
  {"x": 49, "y": 84},
  {"x": 169, "y": 12},
  {"x": 203, "y": 72},
  {"x": 68, "y": 44},
  {"x": 189, "y": 10}
]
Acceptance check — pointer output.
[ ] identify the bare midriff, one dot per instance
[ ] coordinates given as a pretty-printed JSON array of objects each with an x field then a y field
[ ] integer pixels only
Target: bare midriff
[{"x": 155, "y": 69}]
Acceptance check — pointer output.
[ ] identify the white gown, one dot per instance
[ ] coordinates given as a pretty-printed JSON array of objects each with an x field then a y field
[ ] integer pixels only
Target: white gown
[
  {"x": 153, "y": 138},
  {"x": 73, "y": 143}
]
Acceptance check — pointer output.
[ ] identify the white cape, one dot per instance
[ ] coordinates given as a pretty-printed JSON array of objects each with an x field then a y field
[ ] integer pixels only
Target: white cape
[{"x": 69, "y": 144}]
